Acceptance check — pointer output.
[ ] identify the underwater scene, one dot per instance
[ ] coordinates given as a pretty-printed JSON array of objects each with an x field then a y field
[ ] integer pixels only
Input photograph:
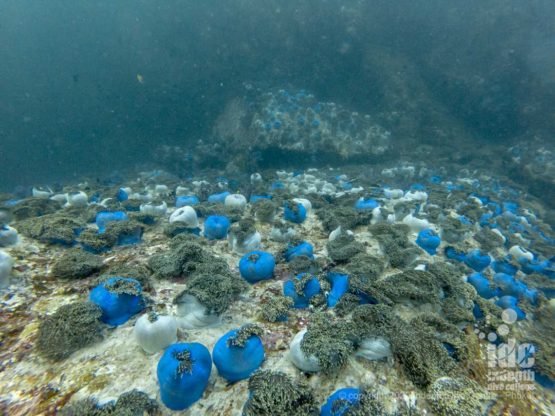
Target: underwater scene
[{"x": 272, "y": 207}]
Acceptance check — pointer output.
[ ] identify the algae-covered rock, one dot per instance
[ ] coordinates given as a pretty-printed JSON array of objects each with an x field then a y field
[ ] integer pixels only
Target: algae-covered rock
[
  {"x": 346, "y": 304},
  {"x": 185, "y": 256},
  {"x": 138, "y": 272},
  {"x": 472, "y": 210},
  {"x": 488, "y": 239},
  {"x": 206, "y": 209},
  {"x": 116, "y": 233},
  {"x": 85, "y": 407},
  {"x": 457, "y": 397},
  {"x": 70, "y": 328},
  {"x": 76, "y": 263},
  {"x": 412, "y": 286},
  {"x": 125, "y": 232},
  {"x": 215, "y": 290},
  {"x": 94, "y": 242},
  {"x": 457, "y": 296},
  {"x": 264, "y": 210},
  {"x": 344, "y": 248},
  {"x": 177, "y": 228},
  {"x": 135, "y": 403},
  {"x": 415, "y": 345},
  {"x": 34, "y": 207},
  {"x": 274, "y": 393},
  {"x": 276, "y": 308},
  {"x": 51, "y": 229},
  {"x": 329, "y": 341},
  {"x": 397, "y": 232},
  {"x": 345, "y": 217},
  {"x": 131, "y": 403},
  {"x": 303, "y": 264},
  {"x": 394, "y": 243},
  {"x": 364, "y": 269}
]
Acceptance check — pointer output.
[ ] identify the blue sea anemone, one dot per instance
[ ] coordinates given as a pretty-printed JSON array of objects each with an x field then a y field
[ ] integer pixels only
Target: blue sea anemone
[
  {"x": 482, "y": 285},
  {"x": 122, "y": 195},
  {"x": 184, "y": 200},
  {"x": 218, "y": 198},
  {"x": 302, "y": 249},
  {"x": 503, "y": 266},
  {"x": 294, "y": 212},
  {"x": 366, "y": 204},
  {"x": 535, "y": 266},
  {"x": 428, "y": 240},
  {"x": 301, "y": 289},
  {"x": 239, "y": 353},
  {"x": 511, "y": 286},
  {"x": 453, "y": 254},
  {"x": 341, "y": 401},
  {"x": 104, "y": 217},
  {"x": 256, "y": 266},
  {"x": 477, "y": 260},
  {"x": 119, "y": 298},
  {"x": 510, "y": 302},
  {"x": 339, "y": 286},
  {"x": 216, "y": 227},
  {"x": 183, "y": 372}
]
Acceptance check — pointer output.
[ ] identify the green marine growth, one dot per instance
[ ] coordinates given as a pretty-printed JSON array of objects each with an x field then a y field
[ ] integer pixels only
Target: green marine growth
[
  {"x": 243, "y": 230},
  {"x": 453, "y": 229},
  {"x": 206, "y": 209},
  {"x": 276, "y": 308},
  {"x": 97, "y": 242},
  {"x": 123, "y": 287},
  {"x": 214, "y": 291},
  {"x": 344, "y": 248},
  {"x": 186, "y": 257},
  {"x": 300, "y": 284},
  {"x": 243, "y": 335},
  {"x": 303, "y": 264},
  {"x": 274, "y": 393},
  {"x": 368, "y": 405},
  {"x": 439, "y": 287},
  {"x": 131, "y": 403},
  {"x": 457, "y": 397},
  {"x": 488, "y": 239},
  {"x": 330, "y": 342},
  {"x": 346, "y": 217},
  {"x": 76, "y": 263},
  {"x": 264, "y": 210},
  {"x": 70, "y": 328},
  {"x": 395, "y": 244},
  {"x": 51, "y": 229},
  {"x": 417, "y": 346},
  {"x": 364, "y": 269},
  {"x": 34, "y": 207},
  {"x": 138, "y": 272},
  {"x": 109, "y": 238}
]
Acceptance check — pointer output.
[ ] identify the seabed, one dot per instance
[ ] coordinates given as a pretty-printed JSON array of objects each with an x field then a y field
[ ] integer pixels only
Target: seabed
[{"x": 31, "y": 384}]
